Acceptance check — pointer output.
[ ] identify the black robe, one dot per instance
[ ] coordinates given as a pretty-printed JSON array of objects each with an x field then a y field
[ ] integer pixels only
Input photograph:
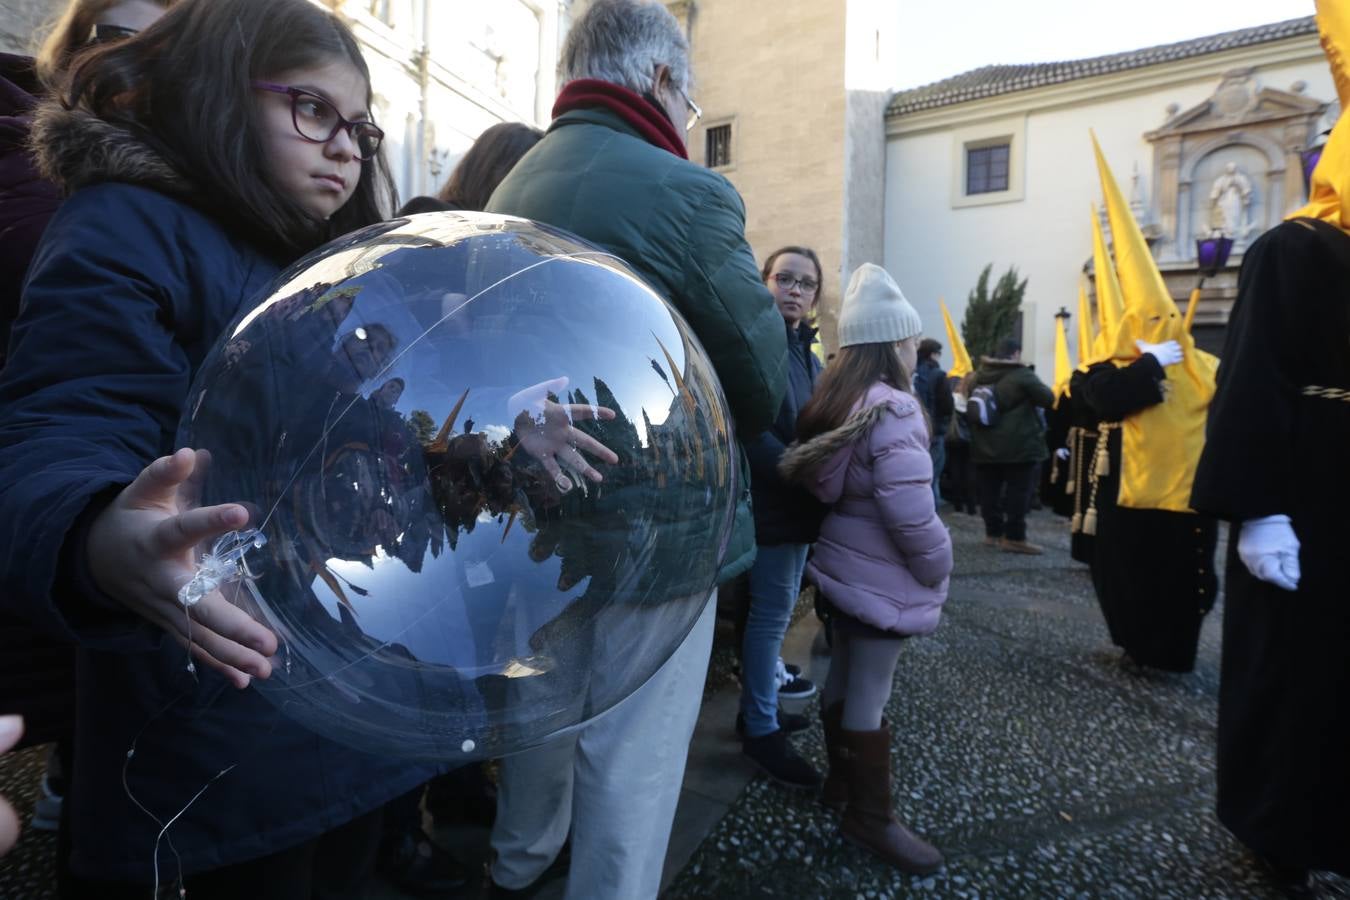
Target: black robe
[
  {"x": 1153, "y": 569},
  {"x": 1082, "y": 443},
  {"x": 1277, "y": 447},
  {"x": 1055, "y": 472}
]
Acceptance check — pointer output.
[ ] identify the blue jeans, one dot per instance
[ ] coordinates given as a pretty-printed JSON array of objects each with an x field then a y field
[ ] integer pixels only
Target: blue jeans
[
  {"x": 775, "y": 581},
  {"x": 938, "y": 450}
]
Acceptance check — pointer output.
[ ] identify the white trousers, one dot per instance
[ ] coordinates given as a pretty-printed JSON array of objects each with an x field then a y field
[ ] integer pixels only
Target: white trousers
[{"x": 615, "y": 782}]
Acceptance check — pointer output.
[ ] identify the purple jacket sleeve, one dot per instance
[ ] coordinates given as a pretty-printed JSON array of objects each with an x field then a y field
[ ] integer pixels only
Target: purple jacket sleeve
[{"x": 902, "y": 472}]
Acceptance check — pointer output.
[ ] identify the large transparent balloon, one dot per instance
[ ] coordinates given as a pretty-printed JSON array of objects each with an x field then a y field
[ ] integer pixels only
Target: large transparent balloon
[{"x": 411, "y": 416}]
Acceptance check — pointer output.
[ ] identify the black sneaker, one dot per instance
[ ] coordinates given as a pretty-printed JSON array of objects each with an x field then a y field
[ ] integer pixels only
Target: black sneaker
[
  {"x": 775, "y": 756},
  {"x": 791, "y": 684},
  {"x": 420, "y": 867},
  {"x": 789, "y": 722},
  {"x": 797, "y": 689}
]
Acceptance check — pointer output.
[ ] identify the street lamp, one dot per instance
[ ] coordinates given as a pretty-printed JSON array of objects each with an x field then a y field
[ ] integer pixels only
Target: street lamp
[
  {"x": 1211, "y": 255},
  {"x": 1309, "y": 157}
]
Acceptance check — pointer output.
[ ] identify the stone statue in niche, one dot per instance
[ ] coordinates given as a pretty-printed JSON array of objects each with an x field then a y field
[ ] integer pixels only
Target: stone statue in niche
[{"x": 1230, "y": 202}]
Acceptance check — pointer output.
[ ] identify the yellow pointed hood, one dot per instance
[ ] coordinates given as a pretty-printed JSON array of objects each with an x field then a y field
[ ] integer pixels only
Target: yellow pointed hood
[
  {"x": 1086, "y": 334},
  {"x": 1063, "y": 364},
  {"x": 1329, "y": 193},
  {"x": 1160, "y": 445},
  {"x": 960, "y": 358},
  {"x": 1110, "y": 307}
]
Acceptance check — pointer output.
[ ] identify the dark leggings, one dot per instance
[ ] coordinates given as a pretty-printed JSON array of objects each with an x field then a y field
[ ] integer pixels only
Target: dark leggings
[{"x": 336, "y": 865}]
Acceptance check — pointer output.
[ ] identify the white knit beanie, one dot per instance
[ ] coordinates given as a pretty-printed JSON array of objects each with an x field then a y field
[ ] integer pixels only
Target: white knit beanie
[{"x": 874, "y": 310}]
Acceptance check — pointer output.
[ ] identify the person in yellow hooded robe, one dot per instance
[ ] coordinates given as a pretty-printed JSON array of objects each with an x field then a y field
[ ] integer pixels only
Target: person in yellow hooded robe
[
  {"x": 1148, "y": 387},
  {"x": 1277, "y": 466}
]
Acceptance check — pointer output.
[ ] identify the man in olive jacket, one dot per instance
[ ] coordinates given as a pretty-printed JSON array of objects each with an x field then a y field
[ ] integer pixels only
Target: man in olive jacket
[
  {"x": 613, "y": 169},
  {"x": 1006, "y": 453}
]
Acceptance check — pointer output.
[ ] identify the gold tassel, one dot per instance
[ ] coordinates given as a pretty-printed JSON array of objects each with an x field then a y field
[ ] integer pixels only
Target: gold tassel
[
  {"x": 1076, "y": 523},
  {"x": 1075, "y": 450},
  {"x": 1103, "y": 462},
  {"x": 1090, "y": 522}
]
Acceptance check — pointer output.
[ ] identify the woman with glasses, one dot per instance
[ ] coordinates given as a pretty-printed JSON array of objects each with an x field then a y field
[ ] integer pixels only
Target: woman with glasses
[
  {"x": 200, "y": 157},
  {"x": 787, "y": 520}
]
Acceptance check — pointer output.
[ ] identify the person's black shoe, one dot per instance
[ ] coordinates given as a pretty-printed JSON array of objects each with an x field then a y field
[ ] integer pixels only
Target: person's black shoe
[
  {"x": 561, "y": 865},
  {"x": 775, "y": 756},
  {"x": 421, "y": 868},
  {"x": 789, "y": 722}
]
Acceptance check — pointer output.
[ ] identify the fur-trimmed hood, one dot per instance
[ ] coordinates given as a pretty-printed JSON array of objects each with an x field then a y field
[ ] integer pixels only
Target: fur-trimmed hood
[
  {"x": 801, "y": 460},
  {"x": 74, "y": 148},
  {"x": 992, "y": 362}
]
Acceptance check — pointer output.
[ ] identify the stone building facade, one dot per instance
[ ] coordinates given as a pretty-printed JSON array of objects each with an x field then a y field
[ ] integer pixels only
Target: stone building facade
[
  {"x": 996, "y": 166},
  {"x": 793, "y": 93}
]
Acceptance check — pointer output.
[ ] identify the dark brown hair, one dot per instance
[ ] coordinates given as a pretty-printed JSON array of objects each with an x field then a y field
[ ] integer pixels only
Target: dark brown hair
[
  {"x": 844, "y": 382},
  {"x": 184, "y": 87},
  {"x": 800, "y": 251},
  {"x": 488, "y": 161}
]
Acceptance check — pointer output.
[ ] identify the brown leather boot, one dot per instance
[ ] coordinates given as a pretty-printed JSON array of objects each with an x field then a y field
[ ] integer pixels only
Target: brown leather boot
[
  {"x": 869, "y": 820},
  {"x": 834, "y": 793}
]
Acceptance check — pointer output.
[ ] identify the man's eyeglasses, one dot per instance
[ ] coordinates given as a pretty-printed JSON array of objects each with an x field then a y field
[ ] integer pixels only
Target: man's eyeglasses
[
  {"x": 786, "y": 280},
  {"x": 694, "y": 112},
  {"x": 102, "y": 34},
  {"x": 318, "y": 121}
]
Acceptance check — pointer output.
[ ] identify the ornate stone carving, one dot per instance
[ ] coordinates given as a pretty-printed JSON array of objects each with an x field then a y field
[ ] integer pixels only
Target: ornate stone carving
[{"x": 1230, "y": 201}]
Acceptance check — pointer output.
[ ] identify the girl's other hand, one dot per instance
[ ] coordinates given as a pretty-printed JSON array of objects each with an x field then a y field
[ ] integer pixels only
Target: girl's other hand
[
  {"x": 141, "y": 550},
  {"x": 11, "y": 729}
]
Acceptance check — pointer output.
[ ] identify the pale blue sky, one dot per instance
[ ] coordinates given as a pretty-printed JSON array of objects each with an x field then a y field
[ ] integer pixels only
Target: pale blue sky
[{"x": 940, "y": 39}]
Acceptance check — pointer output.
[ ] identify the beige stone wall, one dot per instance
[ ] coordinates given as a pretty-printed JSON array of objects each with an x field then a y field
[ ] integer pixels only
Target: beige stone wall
[{"x": 775, "y": 70}]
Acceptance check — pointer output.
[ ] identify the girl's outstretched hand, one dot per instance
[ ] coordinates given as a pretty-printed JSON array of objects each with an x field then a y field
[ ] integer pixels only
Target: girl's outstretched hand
[{"x": 141, "y": 550}]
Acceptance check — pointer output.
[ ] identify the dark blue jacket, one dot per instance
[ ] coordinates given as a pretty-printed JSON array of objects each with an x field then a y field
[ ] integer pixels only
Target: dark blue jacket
[
  {"x": 129, "y": 289},
  {"x": 786, "y": 513}
]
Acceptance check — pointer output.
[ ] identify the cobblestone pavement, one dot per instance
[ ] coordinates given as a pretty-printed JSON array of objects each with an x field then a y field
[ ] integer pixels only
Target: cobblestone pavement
[{"x": 1023, "y": 750}]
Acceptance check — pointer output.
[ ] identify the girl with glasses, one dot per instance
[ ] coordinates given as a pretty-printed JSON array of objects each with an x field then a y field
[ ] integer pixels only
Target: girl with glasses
[
  {"x": 787, "y": 520},
  {"x": 190, "y": 186}
]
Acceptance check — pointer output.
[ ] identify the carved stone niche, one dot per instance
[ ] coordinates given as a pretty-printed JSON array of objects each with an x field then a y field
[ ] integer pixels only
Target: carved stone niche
[{"x": 1229, "y": 164}]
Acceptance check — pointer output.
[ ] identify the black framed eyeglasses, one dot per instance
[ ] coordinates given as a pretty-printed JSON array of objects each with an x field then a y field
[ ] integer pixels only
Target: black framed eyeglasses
[
  {"x": 786, "y": 280},
  {"x": 103, "y": 34},
  {"x": 695, "y": 113},
  {"x": 318, "y": 121}
]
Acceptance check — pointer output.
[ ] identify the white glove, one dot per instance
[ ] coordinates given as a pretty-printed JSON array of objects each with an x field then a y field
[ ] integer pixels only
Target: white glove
[
  {"x": 1268, "y": 548},
  {"x": 1062, "y": 453},
  {"x": 1168, "y": 353}
]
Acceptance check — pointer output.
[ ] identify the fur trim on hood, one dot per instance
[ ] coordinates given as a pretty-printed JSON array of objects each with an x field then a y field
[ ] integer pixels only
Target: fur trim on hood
[
  {"x": 993, "y": 363},
  {"x": 799, "y": 461},
  {"x": 75, "y": 148}
]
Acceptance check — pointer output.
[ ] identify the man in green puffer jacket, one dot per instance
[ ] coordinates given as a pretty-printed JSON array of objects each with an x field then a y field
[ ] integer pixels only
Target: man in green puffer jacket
[
  {"x": 1006, "y": 453},
  {"x": 613, "y": 169}
]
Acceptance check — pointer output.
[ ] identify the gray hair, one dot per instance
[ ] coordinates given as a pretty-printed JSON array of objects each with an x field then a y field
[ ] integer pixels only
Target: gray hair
[{"x": 622, "y": 42}]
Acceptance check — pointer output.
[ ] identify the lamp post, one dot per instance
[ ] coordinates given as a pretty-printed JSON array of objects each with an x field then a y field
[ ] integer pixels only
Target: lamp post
[
  {"x": 1211, "y": 255},
  {"x": 1308, "y": 158}
]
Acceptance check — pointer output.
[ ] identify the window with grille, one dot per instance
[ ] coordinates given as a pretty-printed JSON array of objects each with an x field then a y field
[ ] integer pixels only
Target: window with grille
[
  {"x": 987, "y": 169},
  {"x": 718, "y": 145}
]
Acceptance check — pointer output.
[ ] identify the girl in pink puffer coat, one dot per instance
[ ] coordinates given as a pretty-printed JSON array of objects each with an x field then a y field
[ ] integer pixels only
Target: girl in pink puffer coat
[{"x": 883, "y": 557}]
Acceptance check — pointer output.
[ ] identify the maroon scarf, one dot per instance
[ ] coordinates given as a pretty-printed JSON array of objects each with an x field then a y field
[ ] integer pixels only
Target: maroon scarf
[{"x": 650, "y": 122}]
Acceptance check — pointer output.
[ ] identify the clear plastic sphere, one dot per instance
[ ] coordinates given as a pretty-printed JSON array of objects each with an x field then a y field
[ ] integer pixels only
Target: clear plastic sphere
[{"x": 410, "y": 417}]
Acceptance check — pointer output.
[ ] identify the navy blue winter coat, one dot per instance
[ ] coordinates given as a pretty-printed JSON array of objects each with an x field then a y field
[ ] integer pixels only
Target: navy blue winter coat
[
  {"x": 129, "y": 289},
  {"x": 786, "y": 513}
]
